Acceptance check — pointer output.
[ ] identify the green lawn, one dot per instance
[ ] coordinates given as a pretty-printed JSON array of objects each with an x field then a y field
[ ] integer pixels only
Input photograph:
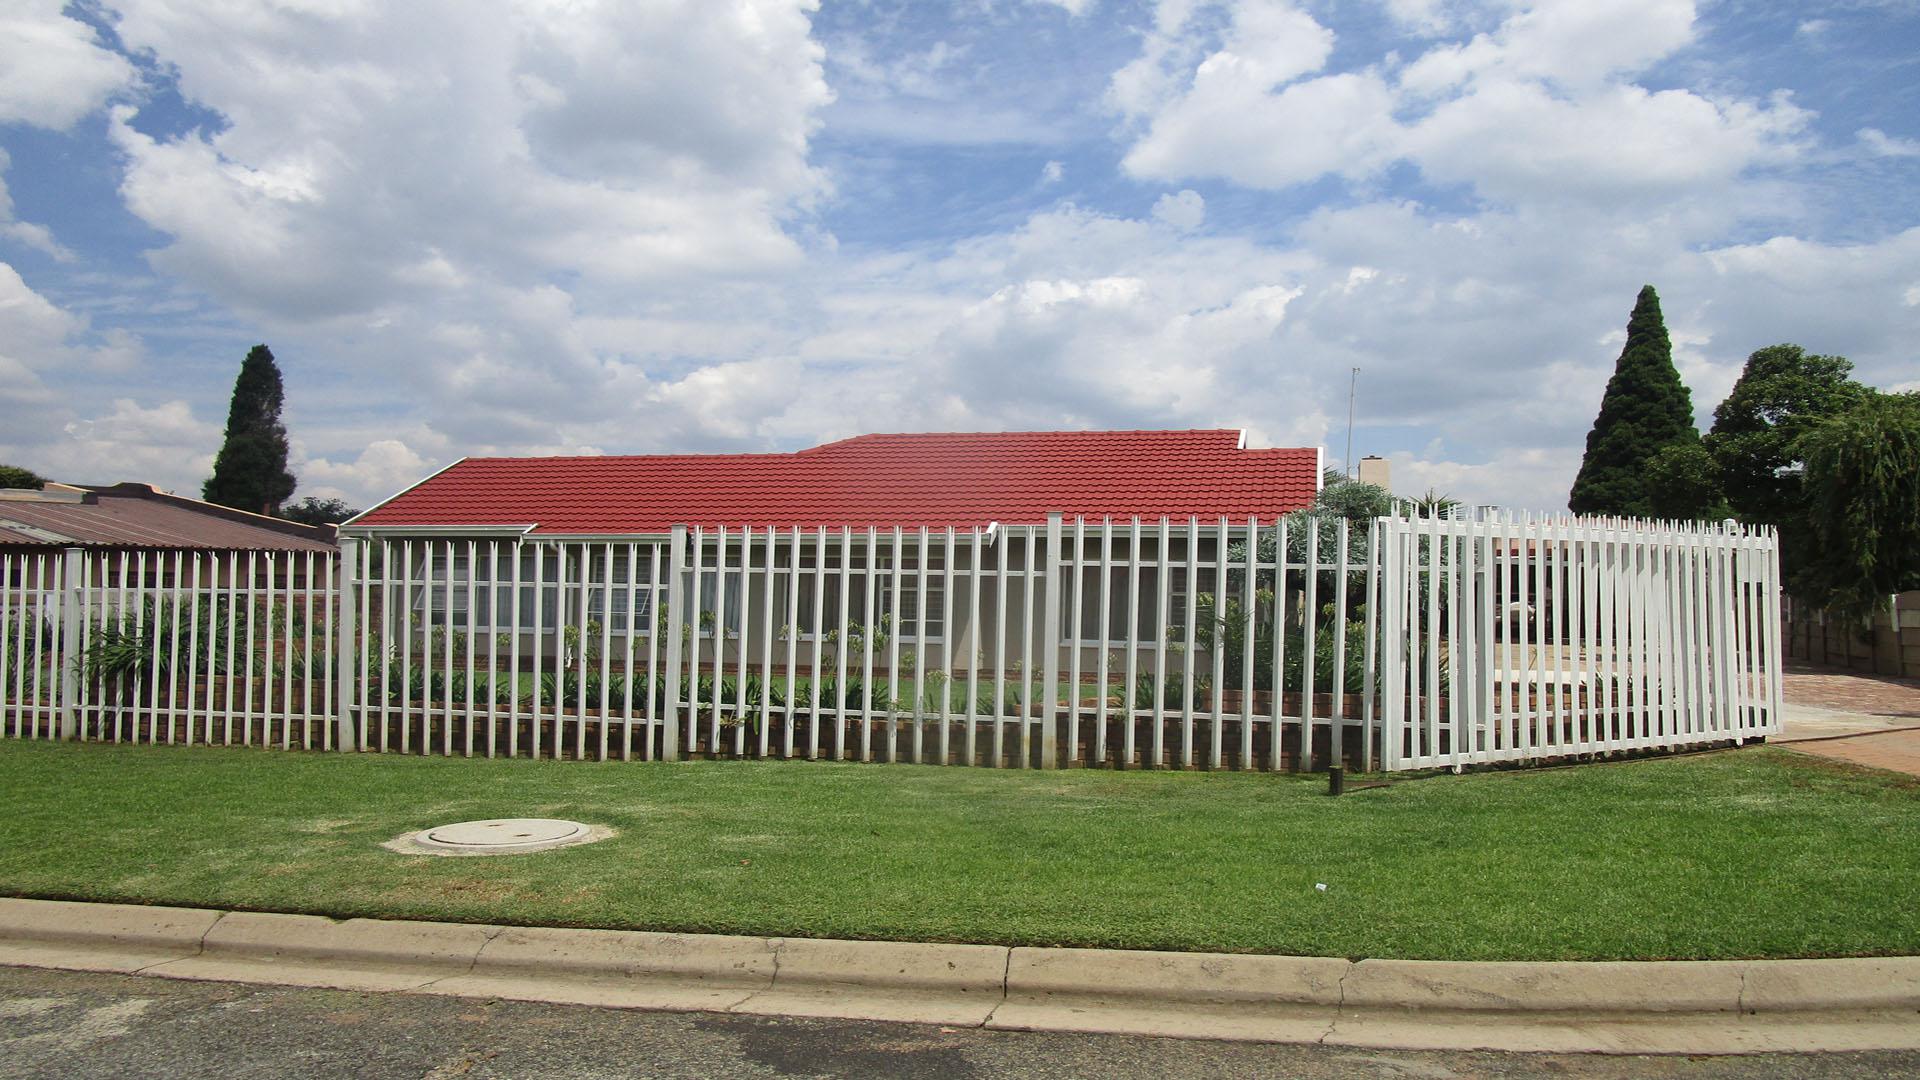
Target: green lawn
[{"x": 1744, "y": 854}]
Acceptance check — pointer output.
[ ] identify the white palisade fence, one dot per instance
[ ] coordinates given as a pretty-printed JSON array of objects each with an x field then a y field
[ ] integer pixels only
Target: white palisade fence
[
  {"x": 1224, "y": 644},
  {"x": 176, "y": 646}
]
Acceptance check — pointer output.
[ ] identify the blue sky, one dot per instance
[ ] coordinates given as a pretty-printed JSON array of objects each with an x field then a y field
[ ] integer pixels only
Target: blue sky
[{"x": 681, "y": 226}]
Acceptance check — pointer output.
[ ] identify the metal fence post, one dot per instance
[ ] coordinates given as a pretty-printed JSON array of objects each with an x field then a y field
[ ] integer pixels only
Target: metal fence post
[
  {"x": 1054, "y": 751},
  {"x": 72, "y": 618},
  {"x": 676, "y": 611},
  {"x": 1392, "y": 638},
  {"x": 345, "y": 654}
]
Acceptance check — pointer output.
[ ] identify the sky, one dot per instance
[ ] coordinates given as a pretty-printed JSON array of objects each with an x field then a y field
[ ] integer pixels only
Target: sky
[{"x": 644, "y": 226}]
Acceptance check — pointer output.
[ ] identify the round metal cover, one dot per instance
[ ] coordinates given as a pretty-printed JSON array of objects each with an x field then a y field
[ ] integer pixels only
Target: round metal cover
[
  {"x": 498, "y": 836},
  {"x": 506, "y": 832}
]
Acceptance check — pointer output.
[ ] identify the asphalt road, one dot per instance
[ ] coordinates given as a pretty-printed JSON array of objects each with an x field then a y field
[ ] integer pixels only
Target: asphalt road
[{"x": 73, "y": 1024}]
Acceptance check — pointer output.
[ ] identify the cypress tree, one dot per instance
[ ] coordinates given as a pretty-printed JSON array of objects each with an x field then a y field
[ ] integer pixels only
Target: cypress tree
[
  {"x": 250, "y": 472},
  {"x": 1645, "y": 410}
]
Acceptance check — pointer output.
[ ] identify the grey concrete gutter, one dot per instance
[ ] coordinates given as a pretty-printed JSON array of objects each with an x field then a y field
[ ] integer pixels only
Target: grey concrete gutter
[{"x": 1735, "y": 1006}]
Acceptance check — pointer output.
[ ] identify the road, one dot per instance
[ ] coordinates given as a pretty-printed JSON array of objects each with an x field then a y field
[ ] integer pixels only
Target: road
[{"x": 75, "y": 1024}]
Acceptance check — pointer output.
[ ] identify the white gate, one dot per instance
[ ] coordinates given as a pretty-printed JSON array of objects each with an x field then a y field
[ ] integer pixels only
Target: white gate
[{"x": 1512, "y": 639}]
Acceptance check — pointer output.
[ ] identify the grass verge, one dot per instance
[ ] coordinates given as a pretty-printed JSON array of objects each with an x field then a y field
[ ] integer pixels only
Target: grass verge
[{"x": 1755, "y": 853}]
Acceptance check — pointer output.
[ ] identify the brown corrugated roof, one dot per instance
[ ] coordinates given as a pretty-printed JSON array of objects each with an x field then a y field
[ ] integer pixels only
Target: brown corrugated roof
[{"x": 137, "y": 516}]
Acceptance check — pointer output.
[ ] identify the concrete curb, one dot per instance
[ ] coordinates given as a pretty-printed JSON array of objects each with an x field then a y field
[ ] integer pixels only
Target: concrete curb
[{"x": 1736, "y": 1006}]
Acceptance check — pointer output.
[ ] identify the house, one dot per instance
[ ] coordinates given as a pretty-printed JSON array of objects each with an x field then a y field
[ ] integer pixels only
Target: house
[
  {"x": 532, "y": 531},
  {"x": 211, "y": 596},
  {"x": 142, "y": 526}
]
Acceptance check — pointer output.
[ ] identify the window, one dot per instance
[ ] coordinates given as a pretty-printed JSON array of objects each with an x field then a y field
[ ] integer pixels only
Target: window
[
  {"x": 1146, "y": 621},
  {"x": 710, "y": 596},
  {"x": 906, "y": 622},
  {"x": 492, "y": 609}
]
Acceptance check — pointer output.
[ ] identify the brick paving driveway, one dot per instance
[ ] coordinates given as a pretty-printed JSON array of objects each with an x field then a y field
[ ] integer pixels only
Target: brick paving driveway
[
  {"x": 1848, "y": 691},
  {"x": 1871, "y": 695}
]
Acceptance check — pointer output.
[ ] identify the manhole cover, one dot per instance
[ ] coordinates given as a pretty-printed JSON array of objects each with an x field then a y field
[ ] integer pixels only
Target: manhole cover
[
  {"x": 498, "y": 836},
  {"x": 506, "y": 832}
]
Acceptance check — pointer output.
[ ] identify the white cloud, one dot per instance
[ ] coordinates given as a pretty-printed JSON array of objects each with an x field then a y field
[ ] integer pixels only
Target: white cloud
[
  {"x": 1052, "y": 173},
  {"x": 49, "y": 359},
  {"x": 1881, "y": 144},
  {"x": 1337, "y": 124},
  {"x": 1846, "y": 298},
  {"x": 38, "y": 237},
  {"x": 1419, "y": 16},
  {"x": 1573, "y": 43},
  {"x": 1267, "y": 43},
  {"x": 52, "y": 71},
  {"x": 1540, "y": 107},
  {"x": 1521, "y": 478},
  {"x": 385, "y": 467},
  {"x": 400, "y": 148},
  {"x": 1184, "y": 210},
  {"x": 164, "y": 444},
  {"x": 1515, "y": 140}
]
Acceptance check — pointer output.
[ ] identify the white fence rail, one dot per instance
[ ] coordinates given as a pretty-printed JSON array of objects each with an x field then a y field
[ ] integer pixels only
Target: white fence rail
[{"x": 1249, "y": 644}]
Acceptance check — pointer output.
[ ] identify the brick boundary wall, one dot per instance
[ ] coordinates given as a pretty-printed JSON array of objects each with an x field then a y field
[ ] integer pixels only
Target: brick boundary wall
[{"x": 1890, "y": 647}]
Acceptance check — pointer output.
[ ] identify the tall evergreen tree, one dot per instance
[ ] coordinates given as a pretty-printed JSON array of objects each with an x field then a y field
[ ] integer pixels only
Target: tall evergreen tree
[
  {"x": 1646, "y": 409},
  {"x": 250, "y": 472}
]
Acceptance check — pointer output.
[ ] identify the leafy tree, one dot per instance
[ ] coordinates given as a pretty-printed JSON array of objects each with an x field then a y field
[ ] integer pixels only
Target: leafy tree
[
  {"x": 1683, "y": 482},
  {"x": 1645, "y": 409},
  {"x": 313, "y": 511},
  {"x": 250, "y": 472},
  {"x": 13, "y": 476},
  {"x": 1782, "y": 393},
  {"x": 1346, "y": 497},
  {"x": 1863, "y": 506}
]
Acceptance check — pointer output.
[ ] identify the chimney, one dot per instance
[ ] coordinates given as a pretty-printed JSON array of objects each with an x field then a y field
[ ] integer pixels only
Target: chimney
[{"x": 1373, "y": 470}]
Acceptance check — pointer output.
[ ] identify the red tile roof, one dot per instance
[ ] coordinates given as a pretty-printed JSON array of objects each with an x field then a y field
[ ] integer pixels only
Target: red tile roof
[
  {"x": 933, "y": 480},
  {"x": 137, "y": 516}
]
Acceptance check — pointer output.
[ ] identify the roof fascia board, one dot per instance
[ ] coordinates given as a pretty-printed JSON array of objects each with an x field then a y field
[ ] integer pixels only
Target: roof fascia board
[
  {"x": 417, "y": 483},
  {"x": 382, "y": 531}
]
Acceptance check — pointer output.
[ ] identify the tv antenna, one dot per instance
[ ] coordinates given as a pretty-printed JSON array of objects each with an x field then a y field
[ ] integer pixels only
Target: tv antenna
[{"x": 1352, "y": 388}]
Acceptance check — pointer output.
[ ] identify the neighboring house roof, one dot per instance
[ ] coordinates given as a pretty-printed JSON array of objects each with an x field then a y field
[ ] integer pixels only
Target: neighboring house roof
[
  {"x": 138, "y": 516},
  {"x": 932, "y": 480}
]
